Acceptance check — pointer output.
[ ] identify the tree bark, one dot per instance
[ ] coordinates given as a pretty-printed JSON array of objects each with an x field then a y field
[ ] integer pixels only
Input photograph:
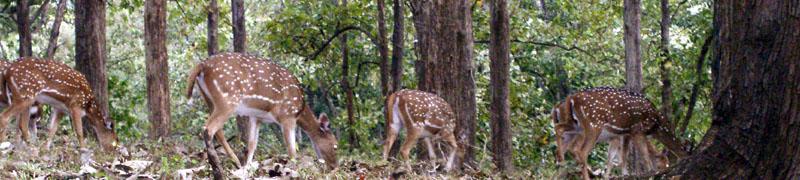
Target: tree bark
[
  {"x": 239, "y": 32},
  {"x": 23, "y": 28},
  {"x": 633, "y": 70},
  {"x": 499, "y": 111},
  {"x": 666, "y": 62},
  {"x": 40, "y": 17},
  {"x": 756, "y": 98},
  {"x": 424, "y": 45},
  {"x": 90, "y": 47},
  {"x": 447, "y": 39},
  {"x": 55, "y": 30},
  {"x": 212, "y": 22},
  {"x": 383, "y": 49},
  {"x": 347, "y": 89},
  {"x": 157, "y": 67},
  {"x": 398, "y": 37},
  {"x": 632, "y": 38}
]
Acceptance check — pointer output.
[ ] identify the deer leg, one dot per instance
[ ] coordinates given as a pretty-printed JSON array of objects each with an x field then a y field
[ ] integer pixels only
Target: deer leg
[
  {"x": 252, "y": 139},
  {"x": 391, "y": 135},
  {"x": 5, "y": 117},
  {"x": 451, "y": 140},
  {"x": 24, "y": 119},
  {"x": 405, "y": 149},
  {"x": 429, "y": 145},
  {"x": 289, "y": 137},
  {"x": 614, "y": 157},
  {"x": 220, "y": 136},
  {"x": 77, "y": 125},
  {"x": 52, "y": 126},
  {"x": 213, "y": 124},
  {"x": 32, "y": 128},
  {"x": 589, "y": 140}
]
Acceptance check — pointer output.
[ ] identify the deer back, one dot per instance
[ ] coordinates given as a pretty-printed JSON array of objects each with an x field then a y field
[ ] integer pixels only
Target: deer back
[{"x": 424, "y": 110}]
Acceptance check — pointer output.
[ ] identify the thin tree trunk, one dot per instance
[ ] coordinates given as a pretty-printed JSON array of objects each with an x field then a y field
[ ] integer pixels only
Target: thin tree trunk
[
  {"x": 756, "y": 109},
  {"x": 23, "y": 28},
  {"x": 632, "y": 38},
  {"x": 347, "y": 89},
  {"x": 90, "y": 47},
  {"x": 698, "y": 82},
  {"x": 633, "y": 69},
  {"x": 383, "y": 49},
  {"x": 239, "y": 31},
  {"x": 397, "y": 45},
  {"x": 212, "y": 22},
  {"x": 499, "y": 111},
  {"x": 157, "y": 67},
  {"x": 40, "y": 17},
  {"x": 664, "y": 66},
  {"x": 55, "y": 30}
]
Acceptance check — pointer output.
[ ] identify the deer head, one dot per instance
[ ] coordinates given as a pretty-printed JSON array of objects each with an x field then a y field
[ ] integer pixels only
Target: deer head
[
  {"x": 30, "y": 80},
  {"x": 233, "y": 83}
]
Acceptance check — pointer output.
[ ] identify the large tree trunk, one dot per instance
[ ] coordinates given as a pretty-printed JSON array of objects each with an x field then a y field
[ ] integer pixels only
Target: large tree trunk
[
  {"x": 666, "y": 62},
  {"x": 90, "y": 47},
  {"x": 499, "y": 111},
  {"x": 424, "y": 45},
  {"x": 397, "y": 45},
  {"x": 446, "y": 27},
  {"x": 239, "y": 32},
  {"x": 383, "y": 49},
  {"x": 632, "y": 38},
  {"x": 23, "y": 28},
  {"x": 213, "y": 18},
  {"x": 55, "y": 30},
  {"x": 756, "y": 98},
  {"x": 155, "y": 37}
]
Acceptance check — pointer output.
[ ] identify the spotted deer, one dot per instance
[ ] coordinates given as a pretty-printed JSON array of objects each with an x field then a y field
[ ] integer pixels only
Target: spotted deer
[
  {"x": 245, "y": 85},
  {"x": 567, "y": 130},
  {"x": 30, "y": 80},
  {"x": 35, "y": 111},
  {"x": 602, "y": 114},
  {"x": 424, "y": 115}
]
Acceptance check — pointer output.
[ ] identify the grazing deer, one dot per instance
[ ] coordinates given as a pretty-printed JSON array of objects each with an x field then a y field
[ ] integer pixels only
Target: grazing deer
[
  {"x": 35, "y": 110},
  {"x": 30, "y": 80},
  {"x": 567, "y": 129},
  {"x": 424, "y": 115},
  {"x": 233, "y": 83},
  {"x": 601, "y": 114}
]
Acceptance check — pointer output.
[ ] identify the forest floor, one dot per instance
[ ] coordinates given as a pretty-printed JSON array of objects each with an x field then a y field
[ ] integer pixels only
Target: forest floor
[{"x": 184, "y": 158}]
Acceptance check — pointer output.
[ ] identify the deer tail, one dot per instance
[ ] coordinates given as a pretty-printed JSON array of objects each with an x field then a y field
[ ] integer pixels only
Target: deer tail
[
  {"x": 192, "y": 77},
  {"x": 389, "y": 110}
]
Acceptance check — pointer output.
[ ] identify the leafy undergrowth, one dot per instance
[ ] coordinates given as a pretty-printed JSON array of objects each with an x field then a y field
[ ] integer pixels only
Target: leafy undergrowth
[{"x": 177, "y": 159}]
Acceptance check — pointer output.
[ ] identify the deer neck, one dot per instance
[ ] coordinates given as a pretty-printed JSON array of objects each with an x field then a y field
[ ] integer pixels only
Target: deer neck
[{"x": 308, "y": 123}]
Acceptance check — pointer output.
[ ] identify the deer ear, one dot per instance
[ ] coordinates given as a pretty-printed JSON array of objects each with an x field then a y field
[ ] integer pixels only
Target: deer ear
[{"x": 324, "y": 123}]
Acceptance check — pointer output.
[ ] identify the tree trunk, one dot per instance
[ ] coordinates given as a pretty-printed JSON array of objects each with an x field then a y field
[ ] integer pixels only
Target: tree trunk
[
  {"x": 40, "y": 17},
  {"x": 90, "y": 47},
  {"x": 756, "y": 98},
  {"x": 633, "y": 69},
  {"x": 632, "y": 38},
  {"x": 424, "y": 45},
  {"x": 23, "y": 28},
  {"x": 213, "y": 18},
  {"x": 666, "y": 62},
  {"x": 499, "y": 111},
  {"x": 397, "y": 45},
  {"x": 383, "y": 49},
  {"x": 155, "y": 33},
  {"x": 55, "y": 30},
  {"x": 698, "y": 82},
  {"x": 347, "y": 89},
  {"x": 448, "y": 46},
  {"x": 239, "y": 32}
]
